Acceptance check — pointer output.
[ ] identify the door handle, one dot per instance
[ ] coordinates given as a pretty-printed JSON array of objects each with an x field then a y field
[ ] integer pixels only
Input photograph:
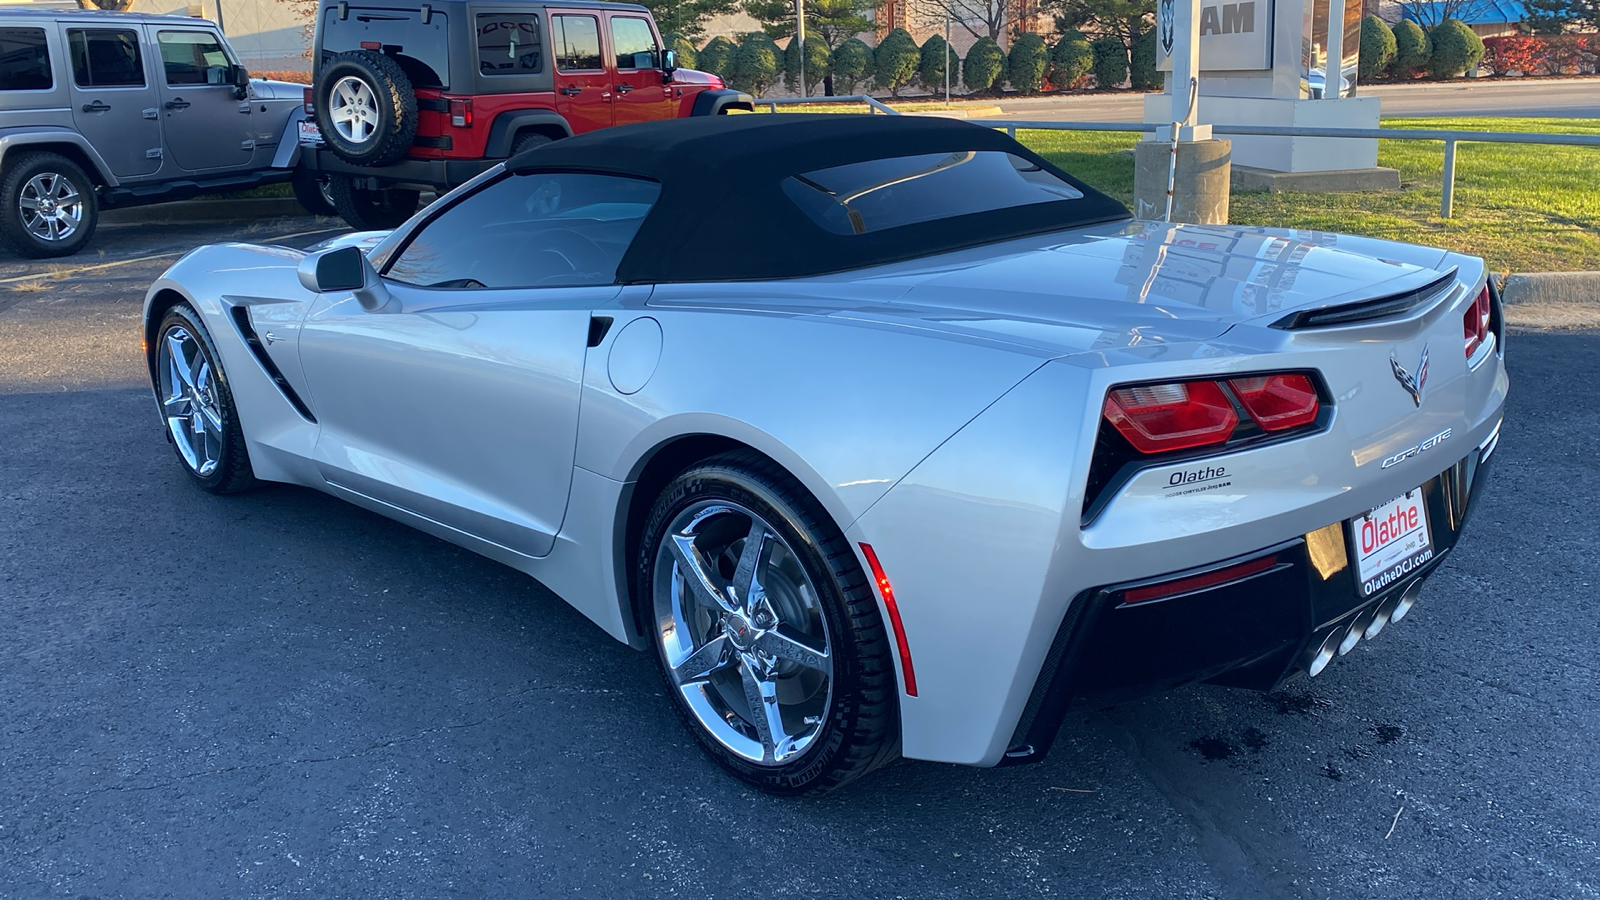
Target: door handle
[
  {"x": 624, "y": 88},
  {"x": 571, "y": 91},
  {"x": 96, "y": 107},
  {"x": 177, "y": 103}
]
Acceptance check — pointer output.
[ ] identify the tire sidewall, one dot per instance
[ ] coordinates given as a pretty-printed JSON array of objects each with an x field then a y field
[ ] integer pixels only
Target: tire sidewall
[
  {"x": 27, "y": 167},
  {"x": 233, "y": 469},
  {"x": 752, "y": 492},
  {"x": 366, "y": 210},
  {"x": 308, "y": 191},
  {"x": 396, "y": 107}
]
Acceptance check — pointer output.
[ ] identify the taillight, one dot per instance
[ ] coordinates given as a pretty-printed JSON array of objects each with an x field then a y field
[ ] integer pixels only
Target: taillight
[
  {"x": 1180, "y": 415},
  {"x": 305, "y": 98},
  {"x": 461, "y": 113},
  {"x": 1277, "y": 402},
  {"x": 1475, "y": 322}
]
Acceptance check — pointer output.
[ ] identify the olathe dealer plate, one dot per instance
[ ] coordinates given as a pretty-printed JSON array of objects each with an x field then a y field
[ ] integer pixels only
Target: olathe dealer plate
[{"x": 1390, "y": 541}]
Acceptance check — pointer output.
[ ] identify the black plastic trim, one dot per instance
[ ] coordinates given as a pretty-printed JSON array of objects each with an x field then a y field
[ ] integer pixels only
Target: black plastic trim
[
  {"x": 1370, "y": 309},
  {"x": 423, "y": 174},
  {"x": 713, "y": 102},
  {"x": 503, "y": 133},
  {"x": 599, "y": 327},
  {"x": 241, "y": 320}
]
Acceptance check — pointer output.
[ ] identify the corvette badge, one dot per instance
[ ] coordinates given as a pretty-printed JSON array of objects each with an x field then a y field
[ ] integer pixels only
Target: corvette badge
[{"x": 1412, "y": 383}]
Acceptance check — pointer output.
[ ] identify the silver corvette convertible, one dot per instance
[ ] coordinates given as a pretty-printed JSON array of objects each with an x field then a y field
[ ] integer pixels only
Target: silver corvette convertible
[{"x": 884, "y": 435}]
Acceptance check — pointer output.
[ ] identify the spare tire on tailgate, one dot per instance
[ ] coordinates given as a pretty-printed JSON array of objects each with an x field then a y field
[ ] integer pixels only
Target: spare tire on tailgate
[{"x": 366, "y": 108}]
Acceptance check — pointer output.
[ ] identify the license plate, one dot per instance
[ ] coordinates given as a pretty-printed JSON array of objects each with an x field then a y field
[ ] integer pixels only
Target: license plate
[
  {"x": 310, "y": 133},
  {"x": 1390, "y": 542}
]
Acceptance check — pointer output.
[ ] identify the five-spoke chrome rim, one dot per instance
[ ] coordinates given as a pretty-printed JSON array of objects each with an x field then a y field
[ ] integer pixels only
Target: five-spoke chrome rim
[
  {"x": 743, "y": 632},
  {"x": 189, "y": 399},
  {"x": 354, "y": 109},
  {"x": 51, "y": 207}
]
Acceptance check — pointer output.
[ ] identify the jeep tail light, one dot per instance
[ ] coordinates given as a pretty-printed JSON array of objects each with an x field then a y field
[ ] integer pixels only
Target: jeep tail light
[
  {"x": 1179, "y": 415},
  {"x": 305, "y": 98},
  {"x": 1277, "y": 402},
  {"x": 461, "y": 113},
  {"x": 1475, "y": 322}
]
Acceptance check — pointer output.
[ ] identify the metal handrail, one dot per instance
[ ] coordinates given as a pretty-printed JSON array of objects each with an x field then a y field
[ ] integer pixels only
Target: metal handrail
[
  {"x": 1449, "y": 137},
  {"x": 873, "y": 104}
]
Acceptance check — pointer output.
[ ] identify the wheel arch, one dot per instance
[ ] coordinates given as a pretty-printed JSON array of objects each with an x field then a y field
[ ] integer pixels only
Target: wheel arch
[
  {"x": 67, "y": 144},
  {"x": 513, "y": 123},
  {"x": 161, "y": 301}
]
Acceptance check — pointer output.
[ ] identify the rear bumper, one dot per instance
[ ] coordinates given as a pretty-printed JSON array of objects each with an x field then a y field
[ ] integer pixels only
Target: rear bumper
[
  {"x": 1255, "y": 631},
  {"x": 415, "y": 174}
]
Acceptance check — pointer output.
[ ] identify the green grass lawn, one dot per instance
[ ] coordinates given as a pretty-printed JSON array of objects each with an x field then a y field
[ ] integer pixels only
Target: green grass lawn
[{"x": 1524, "y": 208}]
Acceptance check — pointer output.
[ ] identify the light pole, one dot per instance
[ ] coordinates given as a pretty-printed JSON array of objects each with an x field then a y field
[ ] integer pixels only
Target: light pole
[
  {"x": 800, "y": 35},
  {"x": 947, "y": 58}
]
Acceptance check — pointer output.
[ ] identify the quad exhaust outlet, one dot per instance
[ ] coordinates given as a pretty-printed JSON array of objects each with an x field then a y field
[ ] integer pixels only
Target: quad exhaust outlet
[{"x": 1368, "y": 624}]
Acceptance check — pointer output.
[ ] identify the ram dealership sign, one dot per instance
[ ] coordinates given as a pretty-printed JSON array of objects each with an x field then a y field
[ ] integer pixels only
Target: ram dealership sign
[{"x": 1234, "y": 36}]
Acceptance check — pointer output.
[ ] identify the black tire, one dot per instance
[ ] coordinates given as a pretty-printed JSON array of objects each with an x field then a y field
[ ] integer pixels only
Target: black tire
[
  {"x": 232, "y": 471},
  {"x": 311, "y": 190},
  {"x": 366, "y": 210},
  {"x": 395, "y": 108},
  {"x": 60, "y": 177},
  {"x": 861, "y": 729},
  {"x": 530, "y": 141}
]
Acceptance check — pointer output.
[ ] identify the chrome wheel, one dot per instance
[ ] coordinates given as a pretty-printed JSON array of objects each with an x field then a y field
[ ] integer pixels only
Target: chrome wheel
[
  {"x": 51, "y": 207},
  {"x": 743, "y": 633},
  {"x": 355, "y": 109},
  {"x": 189, "y": 399}
]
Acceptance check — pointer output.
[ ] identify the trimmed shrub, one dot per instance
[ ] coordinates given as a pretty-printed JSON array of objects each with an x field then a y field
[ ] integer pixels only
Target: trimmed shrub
[
  {"x": 1027, "y": 62},
  {"x": 715, "y": 55},
  {"x": 984, "y": 66},
  {"x": 1110, "y": 63},
  {"x": 681, "y": 46},
  {"x": 930, "y": 68},
  {"x": 1377, "y": 47},
  {"x": 852, "y": 66},
  {"x": 1142, "y": 63},
  {"x": 1411, "y": 49},
  {"x": 819, "y": 62},
  {"x": 1456, "y": 49},
  {"x": 754, "y": 66},
  {"x": 284, "y": 75},
  {"x": 1070, "y": 59},
  {"x": 895, "y": 61}
]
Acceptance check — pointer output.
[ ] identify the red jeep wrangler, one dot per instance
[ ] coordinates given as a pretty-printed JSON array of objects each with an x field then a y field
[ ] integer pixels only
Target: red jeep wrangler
[{"x": 409, "y": 96}]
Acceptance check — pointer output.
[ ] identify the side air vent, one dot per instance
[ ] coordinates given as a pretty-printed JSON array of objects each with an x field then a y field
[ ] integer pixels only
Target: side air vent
[
  {"x": 1368, "y": 310},
  {"x": 241, "y": 318}
]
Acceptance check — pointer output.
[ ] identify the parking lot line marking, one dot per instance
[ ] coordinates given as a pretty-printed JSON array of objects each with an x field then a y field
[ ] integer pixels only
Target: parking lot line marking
[{"x": 138, "y": 259}]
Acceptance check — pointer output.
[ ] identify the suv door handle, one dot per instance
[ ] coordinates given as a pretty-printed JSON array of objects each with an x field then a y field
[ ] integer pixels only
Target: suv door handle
[
  {"x": 177, "y": 103},
  {"x": 571, "y": 91},
  {"x": 624, "y": 88},
  {"x": 96, "y": 106}
]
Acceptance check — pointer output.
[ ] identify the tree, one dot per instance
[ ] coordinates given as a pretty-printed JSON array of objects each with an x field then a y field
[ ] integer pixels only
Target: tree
[
  {"x": 1411, "y": 48},
  {"x": 1142, "y": 63},
  {"x": 1377, "y": 47},
  {"x": 716, "y": 54},
  {"x": 895, "y": 61},
  {"x": 852, "y": 65},
  {"x": 1554, "y": 16},
  {"x": 1456, "y": 49},
  {"x": 985, "y": 65},
  {"x": 754, "y": 66},
  {"x": 687, "y": 16},
  {"x": 819, "y": 64},
  {"x": 832, "y": 21},
  {"x": 1070, "y": 59},
  {"x": 1027, "y": 62},
  {"x": 681, "y": 46},
  {"x": 931, "y": 67},
  {"x": 1430, "y": 14},
  {"x": 1110, "y": 62},
  {"x": 979, "y": 18},
  {"x": 1124, "y": 19}
]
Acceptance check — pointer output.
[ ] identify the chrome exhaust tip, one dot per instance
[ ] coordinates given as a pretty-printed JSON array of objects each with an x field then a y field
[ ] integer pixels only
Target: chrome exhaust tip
[
  {"x": 1324, "y": 654},
  {"x": 1352, "y": 635},
  {"x": 1383, "y": 617},
  {"x": 1407, "y": 600}
]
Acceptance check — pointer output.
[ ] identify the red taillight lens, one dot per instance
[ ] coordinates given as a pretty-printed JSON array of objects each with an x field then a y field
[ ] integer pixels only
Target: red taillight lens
[
  {"x": 1475, "y": 322},
  {"x": 1165, "y": 589},
  {"x": 461, "y": 113},
  {"x": 1157, "y": 418},
  {"x": 305, "y": 98},
  {"x": 1277, "y": 402}
]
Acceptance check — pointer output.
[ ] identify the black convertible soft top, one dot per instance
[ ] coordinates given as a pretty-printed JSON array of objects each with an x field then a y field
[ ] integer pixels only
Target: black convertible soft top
[{"x": 721, "y": 178}]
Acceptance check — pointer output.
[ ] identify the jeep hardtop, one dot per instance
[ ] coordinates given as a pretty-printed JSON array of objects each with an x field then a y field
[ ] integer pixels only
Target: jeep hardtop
[{"x": 409, "y": 96}]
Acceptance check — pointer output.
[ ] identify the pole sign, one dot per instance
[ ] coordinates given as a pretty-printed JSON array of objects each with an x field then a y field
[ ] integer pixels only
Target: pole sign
[{"x": 1234, "y": 36}]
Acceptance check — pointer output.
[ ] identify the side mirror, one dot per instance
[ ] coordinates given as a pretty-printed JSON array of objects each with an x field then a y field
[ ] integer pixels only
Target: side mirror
[
  {"x": 239, "y": 77},
  {"x": 342, "y": 270},
  {"x": 669, "y": 64}
]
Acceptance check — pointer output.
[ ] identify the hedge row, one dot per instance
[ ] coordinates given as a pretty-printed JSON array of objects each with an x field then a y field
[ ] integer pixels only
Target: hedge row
[
  {"x": 1532, "y": 54},
  {"x": 1451, "y": 48},
  {"x": 754, "y": 63}
]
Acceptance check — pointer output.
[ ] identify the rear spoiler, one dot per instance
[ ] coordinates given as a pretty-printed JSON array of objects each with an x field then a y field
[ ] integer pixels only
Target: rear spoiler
[{"x": 1369, "y": 309}]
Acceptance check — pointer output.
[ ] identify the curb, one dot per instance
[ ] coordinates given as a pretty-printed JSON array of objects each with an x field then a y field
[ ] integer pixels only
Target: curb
[
  {"x": 1551, "y": 288},
  {"x": 205, "y": 211}
]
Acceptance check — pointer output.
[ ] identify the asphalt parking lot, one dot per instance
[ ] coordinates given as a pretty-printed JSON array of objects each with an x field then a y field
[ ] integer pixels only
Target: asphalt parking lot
[{"x": 279, "y": 695}]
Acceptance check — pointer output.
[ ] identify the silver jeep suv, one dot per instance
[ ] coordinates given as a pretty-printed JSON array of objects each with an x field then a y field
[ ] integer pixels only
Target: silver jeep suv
[{"x": 103, "y": 109}]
